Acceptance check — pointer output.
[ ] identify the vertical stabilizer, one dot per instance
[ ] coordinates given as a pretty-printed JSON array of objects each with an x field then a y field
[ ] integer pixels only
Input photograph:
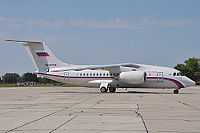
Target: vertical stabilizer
[{"x": 41, "y": 55}]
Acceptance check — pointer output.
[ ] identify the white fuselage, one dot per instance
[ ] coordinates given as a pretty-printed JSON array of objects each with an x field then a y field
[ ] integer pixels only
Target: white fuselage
[{"x": 156, "y": 77}]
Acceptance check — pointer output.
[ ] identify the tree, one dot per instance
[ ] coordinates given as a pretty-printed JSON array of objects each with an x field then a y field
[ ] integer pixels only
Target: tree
[
  {"x": 1, "y": 80},
  {"x": 191, "y": 68},
  {"x": 28, "y": 77},
  {"x": 46, "y": 80},
  {"x": 10, "y": 78}
]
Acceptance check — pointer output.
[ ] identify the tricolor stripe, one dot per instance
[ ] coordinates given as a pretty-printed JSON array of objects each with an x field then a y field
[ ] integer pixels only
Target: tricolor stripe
[
  {"x": 178, "y": 84},
  {"x": 42, "y": 54},
  {"x": 175, "y": 82}
]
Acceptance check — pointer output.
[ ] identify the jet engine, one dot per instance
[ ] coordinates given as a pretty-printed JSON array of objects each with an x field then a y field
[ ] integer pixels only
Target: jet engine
[{"x": 133, "y": 77}]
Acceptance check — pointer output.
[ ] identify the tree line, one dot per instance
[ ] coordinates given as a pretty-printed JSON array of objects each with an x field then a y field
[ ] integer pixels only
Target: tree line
[
  {"x": 190, "y": 68},
  {"x": 13, "y": 78}
]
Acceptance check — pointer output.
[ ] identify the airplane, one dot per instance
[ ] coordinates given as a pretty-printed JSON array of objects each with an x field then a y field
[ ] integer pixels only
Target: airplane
[{"x": 106, "y": 77}]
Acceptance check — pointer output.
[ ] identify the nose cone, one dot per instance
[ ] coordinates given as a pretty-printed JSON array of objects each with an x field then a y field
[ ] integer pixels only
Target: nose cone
[{"x": 189, "y": 82}]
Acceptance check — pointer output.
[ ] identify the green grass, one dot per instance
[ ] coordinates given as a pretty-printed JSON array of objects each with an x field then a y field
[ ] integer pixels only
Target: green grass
[{"x": 7, "y": 85}]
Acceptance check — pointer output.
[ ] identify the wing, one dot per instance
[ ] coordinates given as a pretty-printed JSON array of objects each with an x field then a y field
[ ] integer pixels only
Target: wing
[{"x": 112, "y": 68}]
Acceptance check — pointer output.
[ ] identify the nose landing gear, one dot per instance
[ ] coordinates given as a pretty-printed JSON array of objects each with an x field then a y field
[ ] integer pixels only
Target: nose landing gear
[{"x": 176, "y": 91}]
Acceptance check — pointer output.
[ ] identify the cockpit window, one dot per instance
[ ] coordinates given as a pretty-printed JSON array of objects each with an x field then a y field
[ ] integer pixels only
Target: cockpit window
[
  {"x": 181, "y": 74},
  {"x": 178, "y": 74}
]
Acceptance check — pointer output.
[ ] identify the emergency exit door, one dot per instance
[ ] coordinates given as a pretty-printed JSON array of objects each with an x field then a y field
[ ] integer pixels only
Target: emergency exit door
[{"x": 66, "y": 76}]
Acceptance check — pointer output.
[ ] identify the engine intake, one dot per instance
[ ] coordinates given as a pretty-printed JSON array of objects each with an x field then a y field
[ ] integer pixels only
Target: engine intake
[{"x": 133, "y": 77}]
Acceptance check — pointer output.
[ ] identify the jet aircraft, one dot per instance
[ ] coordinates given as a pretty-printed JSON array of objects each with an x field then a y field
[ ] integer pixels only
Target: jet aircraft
[{"x": 106, "y": 77}]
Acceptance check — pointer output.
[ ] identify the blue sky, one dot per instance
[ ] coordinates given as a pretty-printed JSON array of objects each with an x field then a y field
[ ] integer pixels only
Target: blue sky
[{"x": 153, "y": 32}]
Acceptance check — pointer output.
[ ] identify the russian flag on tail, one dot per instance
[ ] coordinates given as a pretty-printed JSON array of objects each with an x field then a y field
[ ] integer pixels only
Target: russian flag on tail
[{"x": 42, "y": 54}]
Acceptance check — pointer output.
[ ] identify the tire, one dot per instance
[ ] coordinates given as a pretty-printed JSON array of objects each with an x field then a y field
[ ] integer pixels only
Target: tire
[
  {"x": 176, "y": 91},
  {"x": 103, "y": 89},
  {"x": 112, "y": 90}
]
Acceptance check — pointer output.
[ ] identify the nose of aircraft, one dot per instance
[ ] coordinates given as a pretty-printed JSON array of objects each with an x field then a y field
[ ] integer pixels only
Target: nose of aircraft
[{"x": 189, "y": 82}]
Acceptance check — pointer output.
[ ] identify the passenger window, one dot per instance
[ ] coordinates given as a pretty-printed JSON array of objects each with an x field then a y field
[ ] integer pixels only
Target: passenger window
[
  {"x": 90, "y": 74},
  {"x": 100, "y": 74},
  {"x": 93, "y": 74},
  {"x": 80, "y": 74}
]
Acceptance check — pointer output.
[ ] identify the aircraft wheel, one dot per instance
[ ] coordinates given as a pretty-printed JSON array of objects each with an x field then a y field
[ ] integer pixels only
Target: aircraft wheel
[
  {"x": 103, "y": 89},
  {"x": 176, "y": 91},
  {"x": 112, "y": 89}
]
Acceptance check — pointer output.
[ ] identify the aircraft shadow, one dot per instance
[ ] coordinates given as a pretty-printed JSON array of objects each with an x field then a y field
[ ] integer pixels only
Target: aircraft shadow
[
  {"x": 134, "y": 92},
  {"x": 147, "y": 92}
]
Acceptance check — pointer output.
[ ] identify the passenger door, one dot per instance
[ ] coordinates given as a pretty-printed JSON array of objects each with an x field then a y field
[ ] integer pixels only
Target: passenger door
[{"x": 159, "y": 76}]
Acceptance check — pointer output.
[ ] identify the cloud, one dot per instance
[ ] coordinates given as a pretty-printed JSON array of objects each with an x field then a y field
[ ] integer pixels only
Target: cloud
[
  {"x": 21, "y": 22},
  {"x": 23, "y": 7},
  {"x": 180, "y": 22},
  {"x": 45, "y": 23},
  {"x": 109, "y": 24},
  {"x": 10, "y": 22},
  {"x": 117, "y": 23}
]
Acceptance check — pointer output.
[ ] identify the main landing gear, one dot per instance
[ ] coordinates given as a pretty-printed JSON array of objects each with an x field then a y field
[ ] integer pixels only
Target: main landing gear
[
  {"x": 112, "y": 90},
  {"x": 176, "y": 91},
  {"x": 105, "y": 87}
]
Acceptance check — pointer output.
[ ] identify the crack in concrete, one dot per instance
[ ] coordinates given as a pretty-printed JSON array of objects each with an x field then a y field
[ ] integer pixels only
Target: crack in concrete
[
  {"x": 49, "y": 114},
  {"x": 17, "y": 109},
  {"x": 96, "y": 103},
  {"x": 63, "y": 124},
  {"x": 141, "y": 118},
  {"x": 182, "y": 103}
]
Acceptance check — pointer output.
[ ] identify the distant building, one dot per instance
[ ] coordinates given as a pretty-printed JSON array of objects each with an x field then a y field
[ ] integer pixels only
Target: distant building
[{"x": 28, "y": 83}]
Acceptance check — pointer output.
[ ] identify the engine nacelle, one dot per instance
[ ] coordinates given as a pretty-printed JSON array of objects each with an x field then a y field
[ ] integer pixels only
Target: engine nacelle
[{"x": 133, "y": 77}]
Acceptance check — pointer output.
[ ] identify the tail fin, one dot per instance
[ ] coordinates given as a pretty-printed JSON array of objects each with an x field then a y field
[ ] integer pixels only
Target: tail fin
[{"x": 41, "y": 55}]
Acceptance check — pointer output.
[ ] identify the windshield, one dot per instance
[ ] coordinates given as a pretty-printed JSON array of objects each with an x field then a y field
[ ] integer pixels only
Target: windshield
[{"x": 178, "y": 74}]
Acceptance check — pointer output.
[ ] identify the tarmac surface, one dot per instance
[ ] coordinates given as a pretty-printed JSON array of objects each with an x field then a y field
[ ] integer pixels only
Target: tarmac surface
[{"x": 86, "y": 110}]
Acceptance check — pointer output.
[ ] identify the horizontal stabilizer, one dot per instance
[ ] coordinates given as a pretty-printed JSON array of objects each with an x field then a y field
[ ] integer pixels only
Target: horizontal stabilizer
[{"x": 24, "y": 42}]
